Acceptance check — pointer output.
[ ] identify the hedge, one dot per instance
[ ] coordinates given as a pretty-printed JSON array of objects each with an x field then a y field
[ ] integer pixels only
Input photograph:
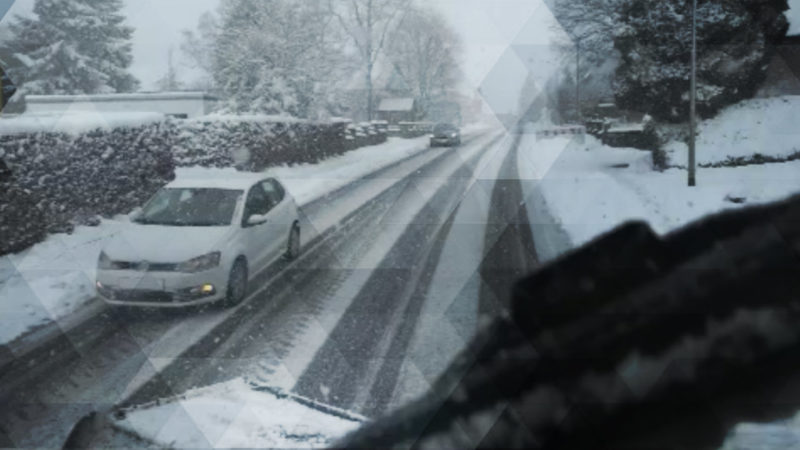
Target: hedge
[{"x": 59, "y": 180}]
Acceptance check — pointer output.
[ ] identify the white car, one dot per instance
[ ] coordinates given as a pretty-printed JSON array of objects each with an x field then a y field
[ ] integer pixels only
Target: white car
[{"x": 198, "y": 241}]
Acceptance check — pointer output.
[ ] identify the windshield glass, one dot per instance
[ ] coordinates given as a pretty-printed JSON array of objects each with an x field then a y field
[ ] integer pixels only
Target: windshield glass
[
  {"x": 275, "y": 206},
  {"x": 196, "y": 207},
  {"x": 444, "y": 128}
]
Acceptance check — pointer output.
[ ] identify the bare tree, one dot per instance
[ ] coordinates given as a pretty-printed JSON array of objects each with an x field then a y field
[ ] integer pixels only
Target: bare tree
[
  {"x": 587, "y": 29},
  {"x": 424, "y": 52},
  {"x": 198, "y": 45},
  {"x": 368, "y": 23},
  {"x": 170, "y": 81}
]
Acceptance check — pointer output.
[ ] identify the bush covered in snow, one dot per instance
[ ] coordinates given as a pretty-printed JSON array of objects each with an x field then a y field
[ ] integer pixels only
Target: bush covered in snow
[
  {"x": 70, "y": 179},
  {"x": 258, "y": 142},
  {"x": 21, "y": 223},
  {"x": 60, "y": 179}
]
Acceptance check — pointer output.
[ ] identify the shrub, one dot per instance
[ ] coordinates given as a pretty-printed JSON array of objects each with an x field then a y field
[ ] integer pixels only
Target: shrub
[
  {"x": 58, "y": 180},
  {"x": 71, "y": 179}
]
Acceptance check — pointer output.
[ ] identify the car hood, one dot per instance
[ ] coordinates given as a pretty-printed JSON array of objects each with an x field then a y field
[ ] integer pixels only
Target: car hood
[
  {"x": 164, "y": 244},
  {"x": 233, "y": 414}
]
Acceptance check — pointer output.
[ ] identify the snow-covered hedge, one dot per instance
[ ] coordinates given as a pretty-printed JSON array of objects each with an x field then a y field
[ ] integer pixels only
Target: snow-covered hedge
[
  {"x": 71, "y": 179},
  {"x": 63, "y": 178},
  {"x": 257, "y": 142}
]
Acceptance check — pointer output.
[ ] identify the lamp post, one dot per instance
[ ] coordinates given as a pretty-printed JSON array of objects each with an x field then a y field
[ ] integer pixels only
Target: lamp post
[
  {"x": 577, "y": 80},
  {"x": 693, "y": 97}
]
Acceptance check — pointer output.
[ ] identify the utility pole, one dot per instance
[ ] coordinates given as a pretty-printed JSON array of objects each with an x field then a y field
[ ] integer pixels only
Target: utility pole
[
  {"x": 693, "y": 97},
  {"x": 577, "y": 80}
]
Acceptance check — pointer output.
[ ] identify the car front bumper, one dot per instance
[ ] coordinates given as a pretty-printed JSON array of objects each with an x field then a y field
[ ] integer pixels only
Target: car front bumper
[
  {"x": 160, "y": 289},
  {"x": 443, "y": 141}
]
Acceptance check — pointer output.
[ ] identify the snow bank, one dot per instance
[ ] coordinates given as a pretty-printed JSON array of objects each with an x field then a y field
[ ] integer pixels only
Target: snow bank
[
  {"x": 50, "y": 280},
  {"x": 591, "y": 188},
  {"x": 765, "y": 126},
  {"x": 233, "y": 415},
  {"x": 75, "y": 122},
  {"x": 308, "y": 182}
]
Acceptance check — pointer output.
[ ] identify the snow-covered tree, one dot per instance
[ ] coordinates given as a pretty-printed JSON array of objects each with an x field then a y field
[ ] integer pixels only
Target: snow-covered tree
[
  {"x": 424, "y": 52},
  {"x": 368, "y": 23},
  {"x": 734, "y": 43},
  {"x": 274, "y": 57},
  {"x": 587, "y": 26},
  {"x": 73, "y": 47}
]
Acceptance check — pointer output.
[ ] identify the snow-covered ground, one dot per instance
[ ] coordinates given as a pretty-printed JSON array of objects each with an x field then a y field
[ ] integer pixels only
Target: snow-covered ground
[
  {"x": 590, "y": 188},
  {"x": 55, "y": 278},
  {"x": 765, "y": 126},
  {"x": 233, "y": 415}
]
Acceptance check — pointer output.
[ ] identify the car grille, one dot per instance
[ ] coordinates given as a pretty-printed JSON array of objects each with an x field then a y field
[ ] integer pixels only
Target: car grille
[
  {"x": 145, "y": 267},
  {"x": 141, "y": 295}
]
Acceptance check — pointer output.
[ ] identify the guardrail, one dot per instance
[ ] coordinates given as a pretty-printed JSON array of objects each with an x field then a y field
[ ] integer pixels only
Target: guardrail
[{"x": 568, "y": 130}]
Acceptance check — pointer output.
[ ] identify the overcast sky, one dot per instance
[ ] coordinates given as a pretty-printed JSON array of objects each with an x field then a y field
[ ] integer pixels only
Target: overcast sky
[{"x": 495, "y": 34}]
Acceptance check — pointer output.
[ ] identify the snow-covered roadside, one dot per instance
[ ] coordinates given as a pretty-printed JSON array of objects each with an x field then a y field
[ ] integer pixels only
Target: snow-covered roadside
[
  {"x": 51, "y": 280},
  {"x": 590, "y": 188},
  {"x": 533, "y": 163},
  {"x": 55, "y": 278}
]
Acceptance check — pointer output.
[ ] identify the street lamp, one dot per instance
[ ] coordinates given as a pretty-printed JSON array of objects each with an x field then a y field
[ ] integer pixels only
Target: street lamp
[
  {"x": 693, "y": 97},
  {"x": 578, "y": 79}
]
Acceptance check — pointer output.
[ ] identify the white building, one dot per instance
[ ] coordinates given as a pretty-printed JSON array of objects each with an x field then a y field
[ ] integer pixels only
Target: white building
[{"x": 183, "y": 105}]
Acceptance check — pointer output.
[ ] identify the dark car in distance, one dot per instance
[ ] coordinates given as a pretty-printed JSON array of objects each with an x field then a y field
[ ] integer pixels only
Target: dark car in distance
[{"x": 445, "y": 134}]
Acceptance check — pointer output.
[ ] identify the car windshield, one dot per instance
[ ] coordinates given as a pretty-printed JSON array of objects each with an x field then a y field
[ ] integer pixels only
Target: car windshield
[
  {"x": 444, "y": 128},
  {"x": 196, "y": 207},
  {"x": 409, "y": 223}
]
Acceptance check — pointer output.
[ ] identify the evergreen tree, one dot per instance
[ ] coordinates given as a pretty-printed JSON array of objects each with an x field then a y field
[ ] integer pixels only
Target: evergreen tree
[
  {"x": 734, "y": 43},
  {"x": 73, "y": 47}
]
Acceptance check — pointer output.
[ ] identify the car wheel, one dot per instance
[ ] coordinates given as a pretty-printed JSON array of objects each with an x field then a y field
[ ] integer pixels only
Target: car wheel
[
  {"x": 237, "y": 283},
  {"x": 293, "y": 246}
]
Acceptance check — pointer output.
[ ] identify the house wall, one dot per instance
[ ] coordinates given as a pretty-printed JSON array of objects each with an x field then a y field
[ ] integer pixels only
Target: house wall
[{"x": 181, "y": 106}]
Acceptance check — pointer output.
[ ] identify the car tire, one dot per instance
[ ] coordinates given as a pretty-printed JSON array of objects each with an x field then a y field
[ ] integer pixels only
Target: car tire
[
  {"x": 237, "y": 283},
  {"x": 293, "y": 245}
]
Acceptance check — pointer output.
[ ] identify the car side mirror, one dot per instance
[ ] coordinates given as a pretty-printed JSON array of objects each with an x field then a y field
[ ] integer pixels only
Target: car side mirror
[
  {"x": 256, "y": 219},
  {"x": 135, "y": 214}
]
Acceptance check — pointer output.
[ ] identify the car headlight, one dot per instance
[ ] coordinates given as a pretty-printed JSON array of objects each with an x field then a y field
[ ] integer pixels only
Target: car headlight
[
  {"x": 104, "y": 262},
  {"x": 453, "y": 135},
  {"x": 201, "y": 263}
]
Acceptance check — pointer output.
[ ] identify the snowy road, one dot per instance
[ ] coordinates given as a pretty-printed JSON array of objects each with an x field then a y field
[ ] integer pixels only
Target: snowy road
[{"x": 396, "y": 266}]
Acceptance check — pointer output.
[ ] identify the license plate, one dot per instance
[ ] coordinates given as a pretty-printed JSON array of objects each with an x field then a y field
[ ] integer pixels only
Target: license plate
[{"x": 145, "y": 282}]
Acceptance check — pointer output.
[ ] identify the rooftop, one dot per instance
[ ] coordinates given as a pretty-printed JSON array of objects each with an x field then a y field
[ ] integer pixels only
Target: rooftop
[
  {"x": 396, "y": 104},
  {"x": 188, "y": 95}
]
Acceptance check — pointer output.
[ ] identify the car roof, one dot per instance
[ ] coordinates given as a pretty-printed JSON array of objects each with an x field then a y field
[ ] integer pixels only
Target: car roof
[{"x": 224, "y": 180}]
